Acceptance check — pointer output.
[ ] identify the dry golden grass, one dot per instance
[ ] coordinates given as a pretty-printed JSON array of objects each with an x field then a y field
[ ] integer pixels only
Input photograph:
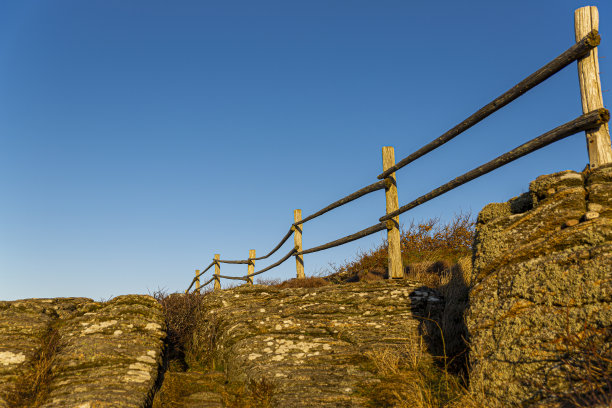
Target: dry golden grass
[
  {"x": 421, "y": 244},
  {"x": 409, "y": 378},
  {"x": 32, "y": 385}
]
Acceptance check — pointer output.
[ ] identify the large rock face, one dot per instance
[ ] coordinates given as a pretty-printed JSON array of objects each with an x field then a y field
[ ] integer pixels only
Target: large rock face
[
  {"x": 542, "y": 292},
  {"x": 311, "y": 343},
  {"x": 87, "y": 354}
]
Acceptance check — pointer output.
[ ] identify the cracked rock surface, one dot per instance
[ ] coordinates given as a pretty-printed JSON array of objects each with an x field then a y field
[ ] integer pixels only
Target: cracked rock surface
[
  {"x": 542, "y": 278},
  {"x": 310, "y": 343},
  {"x": 107, "y": 354}
]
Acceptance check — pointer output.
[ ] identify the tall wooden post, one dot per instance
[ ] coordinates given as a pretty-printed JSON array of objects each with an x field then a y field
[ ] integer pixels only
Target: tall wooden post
[
  {"x": 197, "y": 282},
  {"x": 598, "y": 140},
  {"x": 393, "y": 233},
  {"x": 217, "y": 273},
  {"x": 297, "y": 239},
  {"x": 251, "y": 269}
]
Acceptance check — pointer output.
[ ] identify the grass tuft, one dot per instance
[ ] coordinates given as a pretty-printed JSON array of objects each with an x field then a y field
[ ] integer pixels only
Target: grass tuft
[{"x": 32, "y": 387}]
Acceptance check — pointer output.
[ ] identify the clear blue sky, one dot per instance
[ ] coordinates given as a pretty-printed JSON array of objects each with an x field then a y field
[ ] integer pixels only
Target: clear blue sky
[{"x": 139, "y": 138}]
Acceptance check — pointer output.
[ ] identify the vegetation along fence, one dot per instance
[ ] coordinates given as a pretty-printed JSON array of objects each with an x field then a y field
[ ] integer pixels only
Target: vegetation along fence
[{"x": 594, "y": 122}]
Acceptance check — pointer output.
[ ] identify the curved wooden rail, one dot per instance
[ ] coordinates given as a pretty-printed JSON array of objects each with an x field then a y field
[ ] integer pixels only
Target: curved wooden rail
[{"x": 586, "y": 122}]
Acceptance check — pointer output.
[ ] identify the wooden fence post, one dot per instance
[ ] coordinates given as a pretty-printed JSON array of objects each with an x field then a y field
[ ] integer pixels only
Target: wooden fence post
[
  {"x": 217, "y": 273},
  {"x": 598, "y": 140},
  {"x": 393, "y": 234},
  {"x": 251, "y": 268},
  {"x": 297, "y": 239},
  {"x": 197, "y": 282}
]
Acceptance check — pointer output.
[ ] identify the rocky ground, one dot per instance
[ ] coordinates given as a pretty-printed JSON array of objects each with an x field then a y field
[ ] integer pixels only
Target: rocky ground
[
  {"x": 307, "y": 347},
  {"x": 540, "y": 319},
  {"x": 73, "y": 352},
  {"x": 266, "y": 346}
]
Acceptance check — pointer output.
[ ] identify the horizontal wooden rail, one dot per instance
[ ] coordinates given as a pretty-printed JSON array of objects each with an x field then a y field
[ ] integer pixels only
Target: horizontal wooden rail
[
  {"x": 379, "y": 185},
  {"x": 207, "y": 282},
  {"x": 596, "y": 117},
  {"x": 363, "y": 233},
  {"x": 248, "y": 260},
  {"x": 242, "y": 261},
  {"x": 274, "y": 265},
  {"x": 244, "y": 278},
  {"x": 575, "y": 52},
  {"x": 580, "y": 124},
  {"x": 200, "y": 274}
]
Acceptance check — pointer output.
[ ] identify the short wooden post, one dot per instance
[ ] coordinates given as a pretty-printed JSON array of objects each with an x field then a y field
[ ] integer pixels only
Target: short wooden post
[
  {"x": 217, "y": 273},
  {"x": 251, "y": 269},
  {"x": 598, "y": 140},
  {"x": 197, "y": 282},
  {"x": 297, "y": 239},
  {"x": 393, "y": 233}
]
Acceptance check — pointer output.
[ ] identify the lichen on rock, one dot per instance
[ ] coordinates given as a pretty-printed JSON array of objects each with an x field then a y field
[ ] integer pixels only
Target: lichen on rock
[
  {"x": 541, "y": 278},
  {"x": 311, "y": 343},
  {"x": 108, "y": 354}
]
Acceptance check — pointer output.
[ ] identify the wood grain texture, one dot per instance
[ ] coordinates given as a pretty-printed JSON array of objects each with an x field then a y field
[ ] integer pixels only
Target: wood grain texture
[
  {"x": 350, "y": 238},
  {"x": 197, "y": 280},
  {"x": 239, "y": 262},
  {"x": 393, "y": 234},
  {"x": 572, "y": 54},
  {"x": 274, "y": 265},
  {"x": 251, "y": 267},
  {"x": 589, "y": 121},
  {"x": 379, "y": 185},
  {"x": 586, "y": 19},
  {"x": 217, "y": 272},
  {"x": 297, "y": 239}
]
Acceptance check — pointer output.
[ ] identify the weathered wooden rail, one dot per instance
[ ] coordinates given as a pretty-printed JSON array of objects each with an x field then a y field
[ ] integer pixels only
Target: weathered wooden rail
[{"x": 594, "y": 122}]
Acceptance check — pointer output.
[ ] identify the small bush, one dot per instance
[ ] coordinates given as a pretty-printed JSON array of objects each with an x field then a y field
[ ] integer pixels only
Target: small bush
[
  {"x": 183, "y": 314},
  {"x": 422, "y": 245}
]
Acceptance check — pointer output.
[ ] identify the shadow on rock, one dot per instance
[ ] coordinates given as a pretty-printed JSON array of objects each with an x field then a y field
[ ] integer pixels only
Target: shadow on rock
[{"x": 441, "y": 315}]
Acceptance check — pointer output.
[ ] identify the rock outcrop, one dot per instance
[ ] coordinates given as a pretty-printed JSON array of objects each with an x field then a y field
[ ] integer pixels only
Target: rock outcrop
[
  {"x": 542, "y": 291},
  {"x": 310, "y": 344},
  {"x": 73, "y": 352}
]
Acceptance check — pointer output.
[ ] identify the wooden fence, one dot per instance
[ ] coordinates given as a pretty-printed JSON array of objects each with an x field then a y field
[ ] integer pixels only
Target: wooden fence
[{"x": 594, "y": 122}]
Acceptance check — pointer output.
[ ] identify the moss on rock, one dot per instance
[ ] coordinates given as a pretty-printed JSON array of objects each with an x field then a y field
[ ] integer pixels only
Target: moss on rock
[{"x": 540, "y": 280}]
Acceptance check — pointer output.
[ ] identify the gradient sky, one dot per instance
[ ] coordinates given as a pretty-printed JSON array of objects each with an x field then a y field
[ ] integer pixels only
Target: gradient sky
[{"x": 139, "y": 138}]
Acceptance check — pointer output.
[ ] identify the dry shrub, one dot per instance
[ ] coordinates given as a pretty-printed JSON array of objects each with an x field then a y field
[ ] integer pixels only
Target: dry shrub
[
  {"x": 422, "y": 244},
  {"x": 186, "y": 341},
  {"x": 32, "y": 387},
  {"x": 432, "y": 239}
]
